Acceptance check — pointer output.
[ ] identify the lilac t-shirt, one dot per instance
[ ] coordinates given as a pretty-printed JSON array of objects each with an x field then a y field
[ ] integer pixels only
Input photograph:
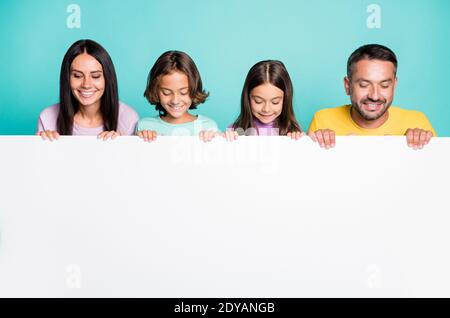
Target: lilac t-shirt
[
  {"x": 263, "y": 129},
  {"x": 126, "y": 122}
]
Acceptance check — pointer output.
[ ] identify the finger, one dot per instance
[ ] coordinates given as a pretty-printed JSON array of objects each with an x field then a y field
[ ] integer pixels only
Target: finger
[
  {"x": 422, "y": 138},
  {"x": 153, "y": 135},
  {"x": 139, "y": 134},
  {"x": 319, "y": 135},
  {"x": 211, "y": 135},
  {"x": 227, "y": 135},
  {"x": 409, "y": 137},
  {"x": 201, "y": 135},
  {"x": 43, "y": 135},
  {"x": 326, "y": 139},
  {"x": 205, "y": 136},
  {"x": 49, "y": 135},
  {"x": 312, "y": 135},
  {"x": 115, "y": 135},
  {"x": 231, "y": 135},
  {"x": 332, "y": 138},
  {"x": 429, "y": 136},
  {"x": 110, "y": 135},
  {"x": 416, "y": 139},
  {"x": 107, "y": 135},
  {"x": 146, "y": 135}
]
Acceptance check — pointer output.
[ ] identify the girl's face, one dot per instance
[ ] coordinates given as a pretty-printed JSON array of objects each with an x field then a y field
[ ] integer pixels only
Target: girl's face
[
  {"x": 266, "y": 102},
  {"x": 86, "y": 80},
  {"x": 174, "y": 96}
]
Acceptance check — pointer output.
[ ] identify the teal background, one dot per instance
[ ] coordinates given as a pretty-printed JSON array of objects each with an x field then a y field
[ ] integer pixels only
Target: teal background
[{"x": 225, "y": 38}]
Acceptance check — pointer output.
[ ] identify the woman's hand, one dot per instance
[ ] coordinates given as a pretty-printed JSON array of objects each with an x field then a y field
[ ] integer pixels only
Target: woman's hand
[
  {"x": 147, "y": 135},
  {"x": 48, "y": 134},
  {"x": 105, "y": 135}
]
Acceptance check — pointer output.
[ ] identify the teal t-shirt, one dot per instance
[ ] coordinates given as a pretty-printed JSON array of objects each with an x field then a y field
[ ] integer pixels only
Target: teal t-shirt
[{"x": 163, "y": 128}]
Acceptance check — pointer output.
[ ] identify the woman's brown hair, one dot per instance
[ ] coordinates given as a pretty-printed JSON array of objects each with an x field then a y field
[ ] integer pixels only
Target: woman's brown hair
[
  {"x": 275, "y": 73},
  {"x": 167, "y": 63}
]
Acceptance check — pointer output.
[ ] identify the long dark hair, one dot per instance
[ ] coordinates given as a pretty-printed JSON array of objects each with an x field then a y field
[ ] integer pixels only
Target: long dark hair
[
  {"x": 275, "y": 73},
  {"x": 167, "y": 63},
  {"x": 68, "y": 104}
]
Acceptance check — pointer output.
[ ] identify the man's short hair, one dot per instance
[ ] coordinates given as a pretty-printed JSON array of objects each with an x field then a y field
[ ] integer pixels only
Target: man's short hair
[{"x": 371, "y": 52}]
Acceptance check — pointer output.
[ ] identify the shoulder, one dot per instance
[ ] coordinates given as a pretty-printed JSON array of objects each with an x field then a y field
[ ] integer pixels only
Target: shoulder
[
  {"x": 207, "y": 123},
  {"x": 335, "y": 111},
  {"x": 155, "y": 119},
  {"x": 406, "y": 112},
  {"x": 205, "y": 120},
  {"x": 49, "y": 116},
  {"x": 126, "y": 110},
  {"x": 148, "y": 122},
  {"x": 50, "y": 112},
  {"x": 411, "y": 118}
]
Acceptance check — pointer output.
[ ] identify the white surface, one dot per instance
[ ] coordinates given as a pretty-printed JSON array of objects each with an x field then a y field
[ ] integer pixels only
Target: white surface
[{"x": 261, "y": 217}]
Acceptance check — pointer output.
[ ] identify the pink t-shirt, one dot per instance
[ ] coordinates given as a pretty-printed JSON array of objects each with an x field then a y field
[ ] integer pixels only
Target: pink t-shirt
[
  {"x": 126, "y": 122},
  {"x": 263, "y": 129}
]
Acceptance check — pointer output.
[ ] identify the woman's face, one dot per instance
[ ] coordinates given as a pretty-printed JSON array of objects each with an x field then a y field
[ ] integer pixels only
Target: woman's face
[
  {"x": 266, "y": 102},
  {"x": 86, "y": 80},
  {"x": 174, "y": 96}
]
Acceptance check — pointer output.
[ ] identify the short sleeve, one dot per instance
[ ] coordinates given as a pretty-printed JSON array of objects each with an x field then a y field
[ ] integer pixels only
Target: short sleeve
[
  {"x": 128, "y": 119},
  {"x": 313, "y": 124}
]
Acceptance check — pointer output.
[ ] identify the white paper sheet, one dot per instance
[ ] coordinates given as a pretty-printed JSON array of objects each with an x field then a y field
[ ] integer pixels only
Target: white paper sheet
[{"x": 260, "y": 217}]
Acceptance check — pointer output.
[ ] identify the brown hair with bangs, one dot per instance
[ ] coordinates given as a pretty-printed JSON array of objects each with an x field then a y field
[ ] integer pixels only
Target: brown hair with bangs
[
  {"x": 275, "y": 73},
  {"x": 167, "y": 63}
]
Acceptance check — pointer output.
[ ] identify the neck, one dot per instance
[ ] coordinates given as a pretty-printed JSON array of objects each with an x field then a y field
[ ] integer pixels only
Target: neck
[
  {"x": 260, "y": 123},
  {"x": 368, "y": 124},
  {"x": 90, "y": 112},
  {"x": 186, "y": 118},
  {"x": 89, "y": 116}
]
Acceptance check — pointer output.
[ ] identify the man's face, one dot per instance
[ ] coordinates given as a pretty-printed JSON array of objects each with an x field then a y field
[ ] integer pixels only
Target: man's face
[{"x": 371, "y": 88}]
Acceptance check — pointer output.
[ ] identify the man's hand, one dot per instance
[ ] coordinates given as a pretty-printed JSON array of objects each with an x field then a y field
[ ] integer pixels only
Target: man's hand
[
  {"x": 325, "y": 137},
  {"x": 417, "y": 138}
]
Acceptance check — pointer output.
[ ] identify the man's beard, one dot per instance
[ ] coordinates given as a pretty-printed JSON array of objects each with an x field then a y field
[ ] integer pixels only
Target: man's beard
[{"x": 369, "y": 115}]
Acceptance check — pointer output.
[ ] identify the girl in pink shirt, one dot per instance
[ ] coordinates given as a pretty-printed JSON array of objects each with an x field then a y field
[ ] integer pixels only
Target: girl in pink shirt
[
  {"x": 266, "y": 103},
  {"x": 89, "y": 101}
]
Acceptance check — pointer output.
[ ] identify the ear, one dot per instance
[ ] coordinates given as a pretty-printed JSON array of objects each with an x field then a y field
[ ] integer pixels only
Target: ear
[
  {"x": 347, "y": 85},
  {"x": 395, "y": 83}
]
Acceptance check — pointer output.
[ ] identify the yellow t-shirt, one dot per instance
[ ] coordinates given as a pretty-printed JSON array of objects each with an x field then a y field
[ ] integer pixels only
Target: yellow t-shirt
[{"x": 340, "y": 120}]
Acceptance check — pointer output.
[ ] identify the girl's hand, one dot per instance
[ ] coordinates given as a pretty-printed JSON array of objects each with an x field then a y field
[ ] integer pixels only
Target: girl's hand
[
  {"x": 48, "y": 134},
  {"x": 208, "y": 135},
  {"x": 230, "y": 135},
  {"x": 295, "y": 135},
  {"x": 105, "y": 135},
  {"x": 147, "y": 135}
]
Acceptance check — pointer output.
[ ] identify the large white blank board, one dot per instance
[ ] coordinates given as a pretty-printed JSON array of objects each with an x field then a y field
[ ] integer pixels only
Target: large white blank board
[{"x": 259, "y": 217}]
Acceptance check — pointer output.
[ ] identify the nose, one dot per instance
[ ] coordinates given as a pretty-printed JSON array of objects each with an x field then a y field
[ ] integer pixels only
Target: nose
[
  {"x": 87, "y": 82},
  {"x": 374, "y": 93},
  {"x": 175, "y": 98},
  {"x": 265, "y": 107}
]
